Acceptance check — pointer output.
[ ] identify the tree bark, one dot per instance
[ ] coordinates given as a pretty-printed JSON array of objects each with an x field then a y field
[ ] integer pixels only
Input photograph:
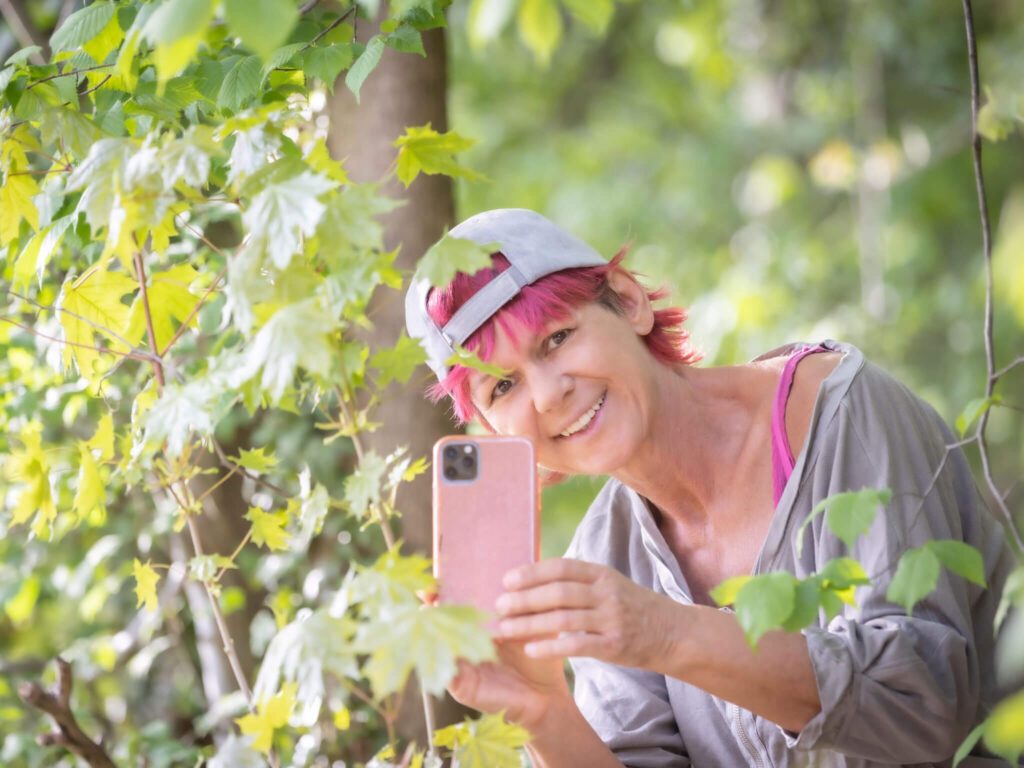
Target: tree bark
[{"x": 404, "y": 90}]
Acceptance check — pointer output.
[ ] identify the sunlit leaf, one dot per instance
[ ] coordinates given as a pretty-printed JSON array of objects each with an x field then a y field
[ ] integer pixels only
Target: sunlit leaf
[
  {"x": 1004, "y": 729},
  {"x": 146, "y": 580},
  {"x": 765, "y": 603},
  {"x": 283, "y": 213},
  {"x": 271, "y": 714},
  {"x": 848, "y": 514},
  {"x": 91, "y": 493},
  {"x": 256, "y": 460},
  {"x": 398, "y": 362},
  {"x": 486, "y": 742},
  {"x": 973, "y": 411},
  {"x": 16, "y": 205},
  {"x": 540, "y": 27},
  {"x": 450, "y": 255},
  {"x": 726, "y": 592},
  {"x": 362, "y": 487},
  {"x": 268, "y": 528},
  {"x": 82, "y": 26},
  {"x": 424, "y": 150},
  {"x": 961, "y": 558},
  {"x": 364, "y": 65},
  {"x": 262, "y": 25},
  {"x": 916, "y": 576}
]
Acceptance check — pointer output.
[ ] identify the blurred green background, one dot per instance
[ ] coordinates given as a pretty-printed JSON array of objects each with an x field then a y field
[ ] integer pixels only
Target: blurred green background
[{"x": 791, "y": 170}]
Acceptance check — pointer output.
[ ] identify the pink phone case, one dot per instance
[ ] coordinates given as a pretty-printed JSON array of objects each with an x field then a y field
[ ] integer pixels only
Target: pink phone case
[{"x": 485, "y": 526}]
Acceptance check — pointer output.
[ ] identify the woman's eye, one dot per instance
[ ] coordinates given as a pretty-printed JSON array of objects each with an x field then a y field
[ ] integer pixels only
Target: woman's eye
[
  {"x": 558, "y": 338},
  {"x": 501, "y": 388}
]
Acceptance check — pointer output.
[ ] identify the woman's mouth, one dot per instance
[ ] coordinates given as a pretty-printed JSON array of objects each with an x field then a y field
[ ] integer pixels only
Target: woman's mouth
[{"x": 586, "y": 422}]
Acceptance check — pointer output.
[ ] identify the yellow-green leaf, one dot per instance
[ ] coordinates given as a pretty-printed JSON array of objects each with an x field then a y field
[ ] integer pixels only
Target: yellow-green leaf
[
  {"x": 19, "y": 608},
  {"x": 487, "y": 742},
  {"x": 271, "y": 713},
  {"x": 105, "y": 41},
  {"x": 268, "y": 528},
  {"x": 103, "y": 439},
  {"x": 725, "y": 593},
  {"x": 454, "y": 254},
  {"x": 342, "y": 719},
  {"x": 146, "y": 580},
  {"x": 91, "y": 494},
  {"x": 257, "y": 460},
  {"x": 424, "y": 150},
  {"x": 1004, "y": 731},
  {"x": 170, "y": 303},
  {"x": 398, "y": 363},
  {"x": 176, "y": 29},
  {"x": 16, "y": 204},
  {"x": 96, "y": 297},
  {"x": 540, "y": 27}
]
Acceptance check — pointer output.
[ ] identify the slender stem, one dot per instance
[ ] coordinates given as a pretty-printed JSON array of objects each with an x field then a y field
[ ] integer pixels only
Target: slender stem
[
  {"x": 66, "y": 74},
  {"x": 330, "y": 27},
  {"x": 238, "y": 549},
  {"x": 98, "y": 85},
  {"x": 200, "y": 236},
  {"x": 986, "y": 247},
  {"x": 215, "y": 486},
  {"x": 158, "y": 368},
  {"x": 202, "y": 300},
  {"x": 39, "y": 172},
  {"x": 1007, "y": 368},
  {"x": 228, "y": 463},
  {"x": 34, "y": 332},
  {"x": 101, "y": 328}
]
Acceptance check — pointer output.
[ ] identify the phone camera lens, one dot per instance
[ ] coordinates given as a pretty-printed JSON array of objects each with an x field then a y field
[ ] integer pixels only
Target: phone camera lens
[
  {"x": 450, "y": 452},
  {"x": 451, "y": 473},
  {"x": 468, "y": 462}
]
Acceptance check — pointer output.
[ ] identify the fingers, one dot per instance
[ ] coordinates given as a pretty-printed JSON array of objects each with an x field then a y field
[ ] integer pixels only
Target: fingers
[
  {"x": 555, "y": 569},
  {"x": 549, "y": 623},
  {"x": 547, "y": 597},
  {"x": 567, "y": 644}
]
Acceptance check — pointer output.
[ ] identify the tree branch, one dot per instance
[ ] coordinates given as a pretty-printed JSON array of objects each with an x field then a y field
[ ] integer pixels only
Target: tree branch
[
  {"x": 57, "y": 704},
  {"x": 130, "y": 355},
  {"x": 24, "y": 30}
]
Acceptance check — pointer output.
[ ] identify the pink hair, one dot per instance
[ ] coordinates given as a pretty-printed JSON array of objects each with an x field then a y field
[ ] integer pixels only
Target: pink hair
[{"x": 552, "y": 297}]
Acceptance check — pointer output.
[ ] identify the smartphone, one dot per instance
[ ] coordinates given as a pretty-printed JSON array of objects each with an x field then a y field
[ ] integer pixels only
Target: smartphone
[{"x": 486, "y": 516}]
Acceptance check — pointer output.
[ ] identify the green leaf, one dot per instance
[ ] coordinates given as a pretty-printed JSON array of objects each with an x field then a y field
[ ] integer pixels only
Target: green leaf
[
  {"x": 362, "y": 487},
  {"x": 241, "y": 83},
  {"x": 450, "y": 255},
  {"x": 1013, "y": 595},
  {"x": 82, "y": 26},
  {"x": 393, "y": 580},
  {"x": 180, "y": 410},
  {"x": 108, "y": 38},
  {"x": 271, "y": 714},
  {"x": 487, "y": 742},
  {"x": 595, "y": 14},
  {"x": 283, "y": 213},
  {"x": 487, "y": 18},
  {"x": 1004, "y": 729},
  {"x": 961, "y": 558},
  {"x": 398, "y": 362},
  {"x": 726, "y": 592},
  {"x": 540, "y": 27},
  {"x": 849, "y": 515},
  {"x": 973, "y": 411},
  {"x": 406, "y": 39},
  {"x": 765, "y": 603},
  {"x": 364, "y": 65},
  {"x": 176, "y": 30},
  {"x": 206, "y": 567},
  {"x": 427, "y": 639},
  {"x": 256, "y": 460},
  {"x": 968, "y": 744},
  {"x": 469, "y": 359},
  {"x": 842, "y": 573},
  {"x": 22, "y": 55},
  {"x": 20, "y": 607},
  {"x": 262, "y": 25},
  {"x": 296, "y": 336},
  {"x": 806, "y": 601},
  {"x": 268, "y": 528},
  {"x": 325, "y": 62},
  {"x": 916, "y": 576},
  {"x": 424, "y": 150}
]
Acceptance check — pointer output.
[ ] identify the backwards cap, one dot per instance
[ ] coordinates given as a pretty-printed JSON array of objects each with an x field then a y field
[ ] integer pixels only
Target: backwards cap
[{"x": 534, "y": 247}]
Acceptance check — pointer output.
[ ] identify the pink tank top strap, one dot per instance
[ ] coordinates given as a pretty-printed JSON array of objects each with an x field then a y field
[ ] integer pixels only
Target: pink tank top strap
[{"x": 782, "y": 455}]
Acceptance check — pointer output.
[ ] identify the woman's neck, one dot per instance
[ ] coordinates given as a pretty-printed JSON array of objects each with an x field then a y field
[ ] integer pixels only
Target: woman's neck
[{"x": 706, "y": 430}]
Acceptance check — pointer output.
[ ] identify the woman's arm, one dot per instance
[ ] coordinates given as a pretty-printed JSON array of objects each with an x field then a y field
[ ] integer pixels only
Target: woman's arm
[
  {"x": 574, "y": 608},
  {"x": 565, "y": 740}
]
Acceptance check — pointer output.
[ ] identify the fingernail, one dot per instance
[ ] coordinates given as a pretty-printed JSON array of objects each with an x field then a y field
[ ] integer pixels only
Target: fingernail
[{"x": 510, "y": 579}]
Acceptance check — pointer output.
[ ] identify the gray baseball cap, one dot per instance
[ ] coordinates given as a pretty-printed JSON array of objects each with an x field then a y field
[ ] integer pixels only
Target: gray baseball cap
[{"x": 534, "y": 247}]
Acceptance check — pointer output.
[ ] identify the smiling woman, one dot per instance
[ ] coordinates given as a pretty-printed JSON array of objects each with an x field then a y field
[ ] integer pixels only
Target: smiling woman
[{"x": 716, "y": 474}]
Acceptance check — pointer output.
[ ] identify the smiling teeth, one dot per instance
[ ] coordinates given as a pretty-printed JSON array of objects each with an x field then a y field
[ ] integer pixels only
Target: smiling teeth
[{"x": 583, "y": 420}]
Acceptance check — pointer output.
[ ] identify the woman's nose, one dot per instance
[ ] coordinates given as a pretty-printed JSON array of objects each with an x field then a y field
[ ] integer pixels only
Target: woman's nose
[{"x": 550, "y": 388}]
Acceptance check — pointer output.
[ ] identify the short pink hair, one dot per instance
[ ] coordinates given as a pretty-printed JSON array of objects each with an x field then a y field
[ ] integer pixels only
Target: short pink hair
[{"x": 552, "y": 297}]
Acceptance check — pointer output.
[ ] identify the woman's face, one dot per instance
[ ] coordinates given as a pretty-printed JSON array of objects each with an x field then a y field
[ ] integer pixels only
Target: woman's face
[{"x": 580, "y": 389}]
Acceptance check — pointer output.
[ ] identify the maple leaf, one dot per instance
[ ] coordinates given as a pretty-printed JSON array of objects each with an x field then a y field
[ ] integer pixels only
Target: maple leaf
[
  {"x": 170, "y": 302},
  {"x": 487, "y": 742},
  {"x": 283, "y": 212},
  {"x": 398, "y": 362},
  {"x": 16, "y": 204},
  {"x": 256, "y": 460},
  {"x": 271, "y": 713},
  {"x": 31, "y": 467},
  {"x": 268, "y": 528},
  {"x": 146, "y": 580},
  {"x": 94, "y": 296},
  {"x": 91, "y": 494},
  {"x": 424, "y": 150},
  {"x": 454, "y": 254}
]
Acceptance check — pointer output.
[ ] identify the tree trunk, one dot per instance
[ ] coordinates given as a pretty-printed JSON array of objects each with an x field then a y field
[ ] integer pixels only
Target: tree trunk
[{"x": 404, "y": 90}]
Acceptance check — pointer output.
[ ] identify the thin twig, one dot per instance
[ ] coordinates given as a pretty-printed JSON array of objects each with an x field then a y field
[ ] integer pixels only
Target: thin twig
[
  {"x": 233, "y": 555},
  {"x": 34, "y": 332},
  {"x": 202, "y": 300},
  {"x": 229, "y": 464},
  {"x": 1006, "y": 369},
  {"x": 986, "y": 246},
  {"x": 101, "y": 328},
  {"x": 329, "y": 28},
  {"x": 38, "y": 172},
  {"x": 98, "y": 85},
  {"x": 66, "y": 74},
  {"x": 199, "y": 235}
]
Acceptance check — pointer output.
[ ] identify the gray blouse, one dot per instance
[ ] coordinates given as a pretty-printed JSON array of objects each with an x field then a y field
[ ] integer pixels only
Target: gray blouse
[{"x": 895, "y": 689}]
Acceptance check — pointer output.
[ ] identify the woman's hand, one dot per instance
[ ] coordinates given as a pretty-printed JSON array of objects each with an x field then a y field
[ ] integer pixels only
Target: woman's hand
[
  {"x": 568, "y": 607},
  {"x": 528, "y": 690}
]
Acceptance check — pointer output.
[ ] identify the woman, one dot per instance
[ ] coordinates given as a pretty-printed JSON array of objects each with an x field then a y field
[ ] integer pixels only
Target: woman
[{"x": 712, "y": 470}]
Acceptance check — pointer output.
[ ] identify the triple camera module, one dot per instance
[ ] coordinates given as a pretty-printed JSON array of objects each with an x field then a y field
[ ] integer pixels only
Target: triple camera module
[{"x": 460, "y": 461}]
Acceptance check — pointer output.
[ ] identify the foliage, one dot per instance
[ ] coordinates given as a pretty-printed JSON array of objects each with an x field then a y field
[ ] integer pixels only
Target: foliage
[{"x": 184, "y": 256}]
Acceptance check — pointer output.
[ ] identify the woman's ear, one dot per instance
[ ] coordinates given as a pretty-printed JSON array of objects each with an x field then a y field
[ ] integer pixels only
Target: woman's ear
[{"x": 636, "y": 306}]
